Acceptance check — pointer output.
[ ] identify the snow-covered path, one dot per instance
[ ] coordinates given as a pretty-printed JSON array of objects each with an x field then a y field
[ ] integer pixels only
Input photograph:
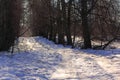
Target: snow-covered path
[
  {"x": 41, "y": 59},
  {"x": 82, "y": 66}
]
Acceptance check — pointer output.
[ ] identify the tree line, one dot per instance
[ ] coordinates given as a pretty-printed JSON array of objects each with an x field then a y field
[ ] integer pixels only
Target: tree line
[{"x": 61, "y": 21}]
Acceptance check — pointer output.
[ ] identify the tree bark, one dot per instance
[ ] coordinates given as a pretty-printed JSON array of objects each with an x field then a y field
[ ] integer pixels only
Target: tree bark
[
  {"x": 85, "y": 27},
  {"x": 68, "y": 27}
]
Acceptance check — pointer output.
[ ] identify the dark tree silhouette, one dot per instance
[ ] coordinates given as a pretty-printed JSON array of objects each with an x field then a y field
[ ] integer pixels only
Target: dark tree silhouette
[{"x": 9, "y": 23}]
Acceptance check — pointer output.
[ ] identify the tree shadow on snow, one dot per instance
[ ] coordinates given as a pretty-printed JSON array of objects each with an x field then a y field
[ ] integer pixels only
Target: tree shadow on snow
[
  {"x": 29, "y": 66},
  {"x": 102, "y": 52}
]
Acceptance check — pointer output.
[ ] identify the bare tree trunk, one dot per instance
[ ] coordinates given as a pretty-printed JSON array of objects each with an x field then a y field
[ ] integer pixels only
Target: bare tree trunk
[
  {"x": 68, "y": 27},
  {"x": 60, "y": 24},
  {"x": 86, "y": 30}
]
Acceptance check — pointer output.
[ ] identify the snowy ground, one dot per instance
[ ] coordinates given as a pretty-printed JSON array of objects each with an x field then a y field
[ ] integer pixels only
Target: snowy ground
[{"x": 40, "y": 59}]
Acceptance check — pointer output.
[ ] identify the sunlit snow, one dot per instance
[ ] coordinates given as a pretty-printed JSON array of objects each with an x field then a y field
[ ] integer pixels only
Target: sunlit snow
[{"x": 40, "y": 59}]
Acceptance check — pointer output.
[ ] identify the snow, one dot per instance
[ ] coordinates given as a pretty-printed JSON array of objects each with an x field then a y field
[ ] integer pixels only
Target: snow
[{"x": 36, "y": 58}]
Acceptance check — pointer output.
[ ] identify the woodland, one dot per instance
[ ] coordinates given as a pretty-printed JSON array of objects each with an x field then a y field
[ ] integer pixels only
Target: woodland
[{"x": 60, "y": 21}]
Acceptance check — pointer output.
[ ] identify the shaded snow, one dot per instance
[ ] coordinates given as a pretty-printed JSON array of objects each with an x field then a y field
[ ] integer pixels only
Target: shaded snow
[{"x": 40, "y": 59}]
